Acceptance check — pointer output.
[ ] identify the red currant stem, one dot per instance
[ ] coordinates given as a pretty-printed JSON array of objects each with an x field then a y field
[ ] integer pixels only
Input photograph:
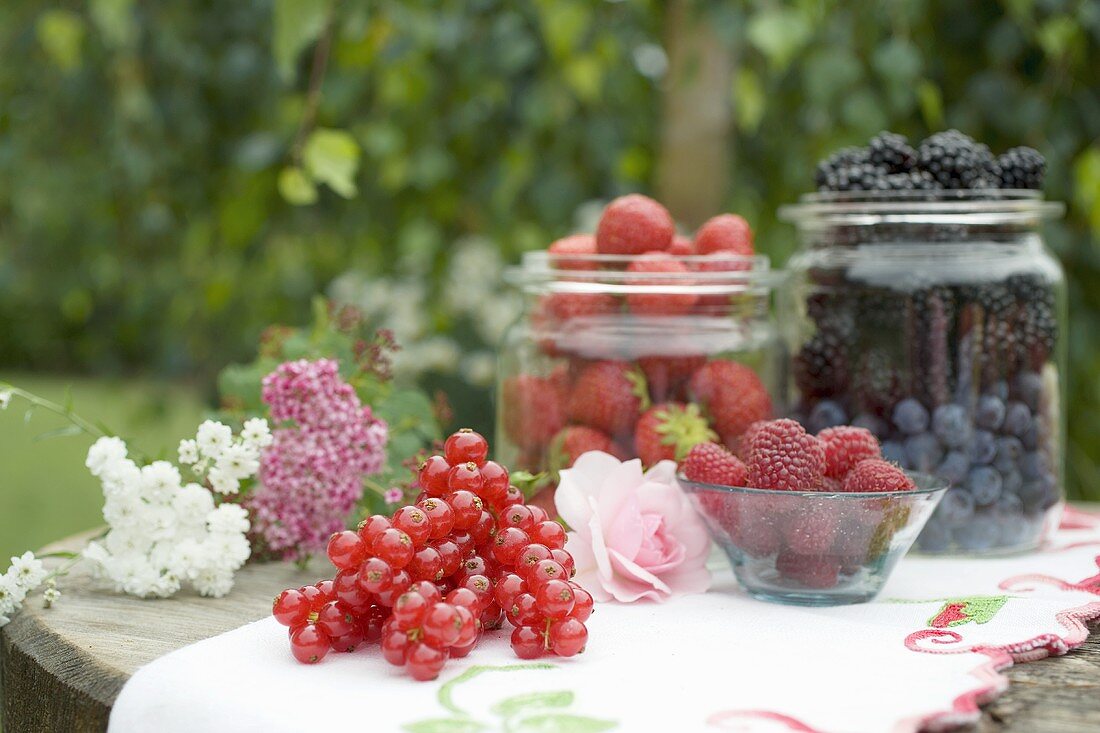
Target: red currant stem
[
  {"x": 313, "y": 616},
  {"x": 546, "y": 635},
  {"x": 375, "y": 487},
  {"x": 446, "y": 692}
]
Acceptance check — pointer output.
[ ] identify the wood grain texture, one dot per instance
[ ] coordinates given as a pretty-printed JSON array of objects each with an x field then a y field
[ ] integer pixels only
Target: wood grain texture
[{"x": 61, "y": 669}]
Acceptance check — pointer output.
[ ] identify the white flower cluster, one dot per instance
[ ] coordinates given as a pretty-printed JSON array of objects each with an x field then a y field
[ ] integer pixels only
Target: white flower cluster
[
  {"x": 163, "y": 532},
  {"x": 25, "y": 574}
]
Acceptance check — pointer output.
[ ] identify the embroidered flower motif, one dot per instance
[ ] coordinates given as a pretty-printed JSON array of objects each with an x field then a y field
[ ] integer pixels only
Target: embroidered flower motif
[{"x": 634, "y": 535}]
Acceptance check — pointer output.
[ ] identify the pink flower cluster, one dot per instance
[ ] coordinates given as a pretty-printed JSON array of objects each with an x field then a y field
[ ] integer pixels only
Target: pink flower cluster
[{"x": 312, "y": 474}]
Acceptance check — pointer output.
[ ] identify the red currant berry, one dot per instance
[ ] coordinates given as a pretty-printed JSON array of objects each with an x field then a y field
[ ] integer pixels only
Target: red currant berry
[
  {"x": 346, "y": 587},
  {"x": 544, "y": 571},
  {"x": 524, "y": 611},
  {"x": 465, "y": 542},
  {"x": 507, "y": 588},
  {"x": 409, "y": 610},
  {"x": 484, "y": 530},
  {"x": 465, "y": 598},
  {"x": 309, "y": 644},
  {"x": 373, "y": 526},
  {"x": 457, "y": 652},
  {"x": 414, "y": 522},
  {"x": 394, "y": 643},
  {"x": 568, "y": 637},
  {"x": 512, "y": 497},
  {"x": 424, "y": 661},
  {"x": 530, "y": 556},
  {"x": 314, "y": 596},
  {"x": 291, "y": 608},
  {"x": 373, "y": 621},
  {"x": 494, "y": 482},
  {"x": 335, "y": 620},
  {"x": 466, "y": 445},
  {"x": 475, "y": 565},
  {"x": 433, "y": 476},
  {"x": 445, "y": 586},
  {"x": 492, "y": 617},
  {"x": 450, "y": 554},
  {"x": 480, "y": 586},
  {"x": 441, "y": 625},
  {"x": 538, "y": 514},
  {"x": 508, "y": 543},
  {"x": 465, "y": 477},
  {"x": 426, "y": 564},
  {"x": 516, "y": 515},
  {"x": 440, "y": 516},
  {"x": 564, "y": 559},
  {"x": 555, "y": 599},
  {"x": 583, "y": 603},
  {"x": 328, "y": 592},
  {"x": 470, "y": 626},
  {"x": 527, "y": 643},
  {"x": 428, "y": 590},
  {"x": 467, "y": 508},
  {"x": 401, "y": 582},
  {"x": 346, "y": 550},
  {"x": 350, "y": 641},
  {"x": 395, "y": 547},
  {"x": 376, "y": 575},
  {"x": 550, "y": 534}
]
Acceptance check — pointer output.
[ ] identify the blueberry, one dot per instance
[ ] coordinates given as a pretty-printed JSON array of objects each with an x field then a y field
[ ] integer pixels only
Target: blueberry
[
  {"x": 875, "y": 424},
  {"x": 910, "y": 416},
  {"x": 983, "y": 532},
  {"x": 1011, "y": 482},
  {"x": 1032, "y": 494},
  {"x": 923, "y": 452},
  {"x": 998, "y": 390},
  {"x": 956, "y": 508},
  {"x": 895, "y": 453},
  {"x": 1030, "y": 438},
  {"x": 984, "y": 484},
  {"x": 1017, "y": 418},
  {"x": 934, "y": 537},
  {"x": 954, "y": 467},
  {"x": 1034, "y": 464},
  {"x": 826, "y": 414},
  {"x": 1028, "y": 388},
  {"x": 983, "y": 448},
  {"x": 951, "y": 425},
  {"x": 991, "y": 412},
  {"x": 1009, "y": 450},
  {"x": 1009, "y": 506}
]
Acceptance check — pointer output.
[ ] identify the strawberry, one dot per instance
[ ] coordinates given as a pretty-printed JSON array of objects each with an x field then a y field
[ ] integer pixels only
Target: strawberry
[
  {"x": 573, "y": 441},
  {"x": 556, "y": 315},
  {"x": 668, "y": 431},
  {"x": 681, "y": 246},
  {"x": 711, "y": 463},
  {"x": 725, "y": 233},
  {"x": 609, "y": 396},
  {"x": 634, "y": 224},
  {"x": 732, "y": 396},
  {"x": 581, "y": 245},
  {"x": 533, "y": 408},
  {"x": 667, "y": 376},
  {"x": 652, "y": 304}
]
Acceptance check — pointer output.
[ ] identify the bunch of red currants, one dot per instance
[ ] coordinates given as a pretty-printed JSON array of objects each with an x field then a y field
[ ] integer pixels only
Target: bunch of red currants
[{"x": 429, "y": 580}]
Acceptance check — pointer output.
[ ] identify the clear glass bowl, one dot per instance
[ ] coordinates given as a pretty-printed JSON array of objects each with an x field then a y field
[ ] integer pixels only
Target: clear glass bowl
[
  {"x": 937, "y": 320},
  {"x": 810, "y": 548}
]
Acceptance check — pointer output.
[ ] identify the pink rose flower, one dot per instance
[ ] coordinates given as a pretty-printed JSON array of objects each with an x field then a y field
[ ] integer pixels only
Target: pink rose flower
[{"x": 634, "y": 535}]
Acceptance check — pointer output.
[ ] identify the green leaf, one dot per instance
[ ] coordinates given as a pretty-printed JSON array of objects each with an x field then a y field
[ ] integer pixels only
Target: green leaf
[
  {"x": 517, "y": 703},
  {"x": 296, "y": 188},
  {"x": 748, "y": 100},
  {"x": 61, "y": 432},
  {"x": 561, "y": 723},
  {"x": 445, "y": 725},
  {"x": 61, "y": 34},
  {"x": 332, "y": 157},
  {"x": 779, "y": 33},
  {"x": 931, "y": 104},
  {"x": 297, "y": 24},
  {"x": 409, "y": 410},
  {"x": 115, "y": 21},
  {"x": 1086, "y": 175}
]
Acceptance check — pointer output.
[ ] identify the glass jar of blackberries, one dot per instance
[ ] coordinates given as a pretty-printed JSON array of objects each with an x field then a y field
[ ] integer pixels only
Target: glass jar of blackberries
[
  {"x": 936, "y": 318},
  {"x": 636, "y": 355}
]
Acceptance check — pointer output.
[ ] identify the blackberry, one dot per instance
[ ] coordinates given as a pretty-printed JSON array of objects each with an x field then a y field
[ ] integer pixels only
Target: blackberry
[
  {"x": 1022, "y": 168},
  {"x": 892, "y": 151},
  {"x": 842, "y": 158},
  {"x": 934, "y": 310},
  {"x": 957, "y": 161},
  {"x": 878, "y": 383},
  {"x": 1037, "y": 323},
  {"x": 861, "y": 177},
  {"x": 912, "y": 181},
  {"x": 821, "y": 366}
]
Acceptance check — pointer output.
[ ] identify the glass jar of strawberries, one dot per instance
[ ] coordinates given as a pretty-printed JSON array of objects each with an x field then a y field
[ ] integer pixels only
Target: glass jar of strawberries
[
  {"x": 935, "y": 317},
  {"x": 639, "y": 342}
]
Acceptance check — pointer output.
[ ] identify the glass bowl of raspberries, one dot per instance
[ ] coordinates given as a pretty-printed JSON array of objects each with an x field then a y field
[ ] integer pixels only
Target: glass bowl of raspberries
[
  {"x": 639, "y": 342},
  {"x": 927, "y": 308},
  {"x": 809, "y": 520}
]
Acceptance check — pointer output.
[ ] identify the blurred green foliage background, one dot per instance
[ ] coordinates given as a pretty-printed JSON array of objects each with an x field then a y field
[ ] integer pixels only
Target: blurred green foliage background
[{"x": 176, "y": 176}]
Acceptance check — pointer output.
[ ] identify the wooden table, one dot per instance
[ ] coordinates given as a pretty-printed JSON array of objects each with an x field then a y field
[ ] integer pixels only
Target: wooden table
[{"x": 61, "y": 669}]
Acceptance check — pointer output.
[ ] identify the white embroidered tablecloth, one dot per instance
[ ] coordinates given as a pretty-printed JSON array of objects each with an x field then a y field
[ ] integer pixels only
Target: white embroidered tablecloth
[{"x": 923, "y": 655}]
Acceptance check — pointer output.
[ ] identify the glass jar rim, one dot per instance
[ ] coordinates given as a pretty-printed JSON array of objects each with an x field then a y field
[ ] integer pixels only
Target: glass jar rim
[
  {"x": 608, "y": 273},
  {"x": 940, "y": 206}
]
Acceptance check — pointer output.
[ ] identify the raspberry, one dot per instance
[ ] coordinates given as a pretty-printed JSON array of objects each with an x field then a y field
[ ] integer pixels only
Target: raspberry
[
  {"x": 812, "y": 571},
  {"x": 810, "y": 533},
  {"x": 574, "y": 441},
  {"x": 845, "y": 447},
  {"x": 660, "y": 304},
  {"x": 732, "y": 396},
  {"x": 783, "y": 456},
  {"x": 609, "y": 396},
  {"x": 875, "y": 474},
  {"x": 710, "y": 463},
  {"x": 668, "y": 431},
  {"x": 728, "y": 233},
  {"x": 581, "y": 245},
  {"x": 533, "y": 409},
  {"x": 634, "y": 224},
  {"x": 667, "y": 376}
]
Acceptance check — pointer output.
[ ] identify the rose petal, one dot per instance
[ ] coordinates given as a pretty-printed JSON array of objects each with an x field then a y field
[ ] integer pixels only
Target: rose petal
[
  {"x": 633, "y": 582},
  {"x": 626, "y": 529},
  {"x": 618, "y": 487},
  {"x": 688, "y": 579}
]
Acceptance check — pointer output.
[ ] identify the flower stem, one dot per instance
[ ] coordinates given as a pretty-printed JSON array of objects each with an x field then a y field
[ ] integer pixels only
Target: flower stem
[{"x": 62, "y": 410}]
